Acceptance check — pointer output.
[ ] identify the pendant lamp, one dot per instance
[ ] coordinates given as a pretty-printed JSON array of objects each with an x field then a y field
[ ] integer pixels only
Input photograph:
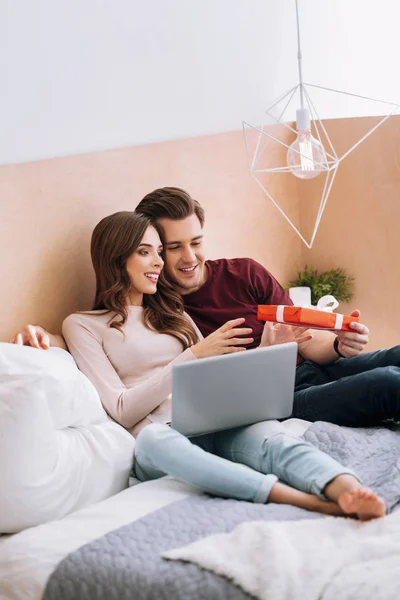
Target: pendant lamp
[{"x": 311, "y": 154}]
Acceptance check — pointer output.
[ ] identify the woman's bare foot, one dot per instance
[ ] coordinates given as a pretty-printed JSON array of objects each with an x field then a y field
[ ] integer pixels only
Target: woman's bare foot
[{"x": 363, "y": 502}]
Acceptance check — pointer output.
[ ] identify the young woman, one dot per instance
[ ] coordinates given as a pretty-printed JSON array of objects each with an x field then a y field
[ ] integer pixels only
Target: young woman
[{"x": 127, "y": 346}]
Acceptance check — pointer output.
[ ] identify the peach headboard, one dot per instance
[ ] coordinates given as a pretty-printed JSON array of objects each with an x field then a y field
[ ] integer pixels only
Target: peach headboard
[{"x": 49, "y": 209}]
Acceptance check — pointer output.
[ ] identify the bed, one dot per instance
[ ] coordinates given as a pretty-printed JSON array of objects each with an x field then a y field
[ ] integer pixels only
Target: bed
[{"x": 115, "y": 549}]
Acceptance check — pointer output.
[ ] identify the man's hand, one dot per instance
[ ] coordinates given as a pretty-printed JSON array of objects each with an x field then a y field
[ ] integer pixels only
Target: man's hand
[
  {"x": 37, "y": 337},
  {"x": 353, "y": 343},
  {"x": 279, "y": 333}
]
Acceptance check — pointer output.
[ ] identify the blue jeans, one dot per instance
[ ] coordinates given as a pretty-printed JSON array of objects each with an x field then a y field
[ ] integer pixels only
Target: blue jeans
[
  {"x": 242, "y": 463},
  {"x": 356, "y": 392}
]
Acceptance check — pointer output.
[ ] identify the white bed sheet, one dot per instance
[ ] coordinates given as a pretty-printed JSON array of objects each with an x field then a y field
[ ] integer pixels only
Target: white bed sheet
[{"x": 28, "y": 558}]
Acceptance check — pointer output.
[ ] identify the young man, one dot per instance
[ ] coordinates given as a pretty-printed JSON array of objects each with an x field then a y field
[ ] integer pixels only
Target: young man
[{"x": 334, "y": 381}]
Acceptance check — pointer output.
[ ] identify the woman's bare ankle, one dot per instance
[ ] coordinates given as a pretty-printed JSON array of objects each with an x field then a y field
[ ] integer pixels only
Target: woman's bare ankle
[
  {"x": 326, "y": 507},
  {"x": 283, "y": 494},
  {"x": 341, "y": 483}
]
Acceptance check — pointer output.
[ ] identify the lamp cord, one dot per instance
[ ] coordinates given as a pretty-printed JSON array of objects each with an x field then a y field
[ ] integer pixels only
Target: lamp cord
[{"x": 299, "y": 57}]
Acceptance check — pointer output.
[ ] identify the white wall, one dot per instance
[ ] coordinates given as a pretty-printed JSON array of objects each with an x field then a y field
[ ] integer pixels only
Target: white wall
[{"x": 83, "y": 75}]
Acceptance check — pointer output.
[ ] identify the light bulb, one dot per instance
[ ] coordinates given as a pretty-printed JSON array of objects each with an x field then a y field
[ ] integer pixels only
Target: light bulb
[{"x": 306, "y": 157}]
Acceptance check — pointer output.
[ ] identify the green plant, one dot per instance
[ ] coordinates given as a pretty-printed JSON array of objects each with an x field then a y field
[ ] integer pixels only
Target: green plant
[{"x": 335, "y": 282}]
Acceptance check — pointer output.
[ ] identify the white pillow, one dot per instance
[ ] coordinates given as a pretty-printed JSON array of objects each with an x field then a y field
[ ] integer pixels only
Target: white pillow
[{"x": 59, "y": 451}]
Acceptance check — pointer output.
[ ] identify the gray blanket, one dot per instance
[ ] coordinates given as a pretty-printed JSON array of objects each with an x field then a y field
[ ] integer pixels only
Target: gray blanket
[{"x": 127, "y": 564}]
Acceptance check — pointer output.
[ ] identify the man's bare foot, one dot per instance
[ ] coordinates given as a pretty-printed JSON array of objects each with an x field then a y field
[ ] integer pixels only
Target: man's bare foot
[{"x": 363, "y": 502}]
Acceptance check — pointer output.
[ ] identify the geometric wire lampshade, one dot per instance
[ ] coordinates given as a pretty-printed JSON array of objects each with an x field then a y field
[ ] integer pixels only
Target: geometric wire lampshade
[{"x": 312, "y": 153}]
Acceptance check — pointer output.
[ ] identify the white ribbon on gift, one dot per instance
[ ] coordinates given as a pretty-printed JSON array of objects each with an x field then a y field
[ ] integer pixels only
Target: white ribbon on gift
[{"x": 327, "y": 303}]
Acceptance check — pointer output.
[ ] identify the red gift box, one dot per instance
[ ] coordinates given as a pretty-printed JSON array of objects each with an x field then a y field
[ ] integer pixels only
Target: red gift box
[{"x": 307, "y": 317}]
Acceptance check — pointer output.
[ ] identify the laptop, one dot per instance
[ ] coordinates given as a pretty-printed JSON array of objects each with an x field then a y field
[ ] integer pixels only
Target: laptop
[{"x": 233, "y": 390}]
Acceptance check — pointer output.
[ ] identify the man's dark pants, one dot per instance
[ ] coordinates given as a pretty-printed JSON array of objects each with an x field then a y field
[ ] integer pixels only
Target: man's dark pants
[{"x": 357, "y": 392}]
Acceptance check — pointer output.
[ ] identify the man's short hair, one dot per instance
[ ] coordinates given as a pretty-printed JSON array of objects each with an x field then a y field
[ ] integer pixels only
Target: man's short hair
[{"x": 170, "y": 203}]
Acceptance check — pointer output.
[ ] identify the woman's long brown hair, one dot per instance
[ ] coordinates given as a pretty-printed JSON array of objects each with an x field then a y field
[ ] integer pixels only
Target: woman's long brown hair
[{"x": 114, "y": 240}]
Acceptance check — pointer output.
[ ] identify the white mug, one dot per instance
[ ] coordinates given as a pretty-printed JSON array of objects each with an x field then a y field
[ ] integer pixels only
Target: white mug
[{"x": 300, "y": 296}]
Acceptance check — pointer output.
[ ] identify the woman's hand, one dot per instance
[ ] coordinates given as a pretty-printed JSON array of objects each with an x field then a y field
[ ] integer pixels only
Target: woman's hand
[
  {"x": 37, "y": 337},
  {"x": 279, "y": 333},
  {"x": 224, "y": 340}
]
